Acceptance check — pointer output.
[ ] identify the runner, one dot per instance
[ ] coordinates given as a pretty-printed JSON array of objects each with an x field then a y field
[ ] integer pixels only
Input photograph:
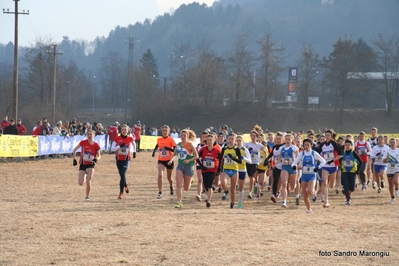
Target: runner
[
  {"x": 202, "y": 143},
  {"x": 276, "y": 166},
  {"x": 270, "y": 145},
  {"x": 254, "y": 149},
  {"x": 187, "y": 155},
  {"x": 331, "y": 152},
  {"x": 363, "y": 148},
  {"x": 298, "y": 144},
  {"x": 231, "y": 156},
  {"x": 221, "y": 142},
  {"x": 209, "y": 164},
  {"x": 89, "y": 156},
  {"x": 370, "y": 167},
  {"x": 123, "y": 155},
  {"x": 350, "y": 165},
  {"x": 166, "y": 146},
  {"x": 392, "y": 159},
  {"x": 246, "y": 159},
  {"x": 309, "y": 159},
  {"x": 378, "y": 153},
  {"x": 288, "y": 175},
  {"x": 341, "y": 143}
]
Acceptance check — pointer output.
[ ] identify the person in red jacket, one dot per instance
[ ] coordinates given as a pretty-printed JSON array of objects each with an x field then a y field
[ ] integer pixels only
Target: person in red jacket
[
  {"x": 137, "y": 134},
  {"x": 42, "y": 130},
  {"x": 123, "y": 155},
  {"x": 21, "y": 128},
  {"x": 5, "y": 123},
  {"x": 112, "y": 134},
  {"x": 89, "y": 156}
]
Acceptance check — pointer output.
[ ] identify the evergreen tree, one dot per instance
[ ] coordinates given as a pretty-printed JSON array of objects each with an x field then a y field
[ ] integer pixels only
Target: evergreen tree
[{"x": 149, "y": 65}]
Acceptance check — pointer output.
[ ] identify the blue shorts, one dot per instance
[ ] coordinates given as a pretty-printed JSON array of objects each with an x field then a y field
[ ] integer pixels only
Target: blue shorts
[
  {"x": 331, "y": 170},
  {"x": 288, "y": 169},
  {"x": 308, "y": 177},
  {"x": 379, "y": 168},
  {"x": 242, "y": 175},
  {"x": 229, "y": 172}
]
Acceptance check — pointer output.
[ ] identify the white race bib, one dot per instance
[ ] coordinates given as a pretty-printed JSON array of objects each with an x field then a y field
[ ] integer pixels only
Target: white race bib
[
  {"x": 308, "y": 170},
  {"x": 88, "y": 157},
  {"x": 209, "y": 163}
]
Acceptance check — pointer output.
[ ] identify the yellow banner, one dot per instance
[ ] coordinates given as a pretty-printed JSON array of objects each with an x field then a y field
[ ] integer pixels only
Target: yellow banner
[
  {"x": 148, "y": 142},
  {"x": 18, "y": 146}
]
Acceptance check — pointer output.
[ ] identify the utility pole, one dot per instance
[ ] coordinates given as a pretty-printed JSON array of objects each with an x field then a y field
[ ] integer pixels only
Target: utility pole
[
  {"x": 15, "y": 77},
  {"x": 129, "y": 73},
  {"x": 54, "y": 53}
]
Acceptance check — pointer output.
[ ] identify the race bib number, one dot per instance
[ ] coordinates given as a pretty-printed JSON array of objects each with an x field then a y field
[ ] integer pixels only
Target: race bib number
[
  {"x": 209, "y": 163},
  {"x": 228, "y": 160},
  {"x": 88, "y": 157},
  {"x": 348, "y": 163},
  {"x": 393, "y": 165},
  {"x": 287, "y": 161},
  {"x": 163, "y": 153},
  {"x": 328, "y": 156},
  {"x": 182, "y": 155},
  {"x": 254, "y": 155},
  {"x": 124, "y": 151},
  {"x": 379, "y": 158},
  {"x": 308, "y": 170}
]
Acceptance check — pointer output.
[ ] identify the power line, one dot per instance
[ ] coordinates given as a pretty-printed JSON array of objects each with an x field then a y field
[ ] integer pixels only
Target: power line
[{"x": 15, "y": 76}]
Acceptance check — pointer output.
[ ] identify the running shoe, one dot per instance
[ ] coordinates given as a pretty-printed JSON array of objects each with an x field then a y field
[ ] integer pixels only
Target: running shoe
[
  {"x": 127, "y": 189},
  {"x": 87, "y": 199},
  {"x": 297, "y": 201},
  {"x": 284, "y": 204},
  {"x": 278, "y": 195},
  {"x": 379, "y": 190},
  {"x": 347, "y": 203},
  {"x": 159, "y": 195},
  {"x": 171, "y": 190},
  {"x": 309, "y": 211},
  {"x": 261, "y": 193},
  {"x": 326, "y": 205},
  {"x": 213, "y": 187},
  {"x": 231, "y": 205},
  {"x": 120, "y": 196},
  {"x": 374, "y": 185},
  {"x": 268, "y": 188},
  {"x": 273, "y": 198},
  {"x": 240, "y": 205},
  {"x": 364, "y": 187},
  {"x": 179, "y": 205},
  {"x": 382, "y": 184},
  {"x": 249, "y": 195},
  {"x": 208, "y": 204},
  {"x": 336, "y": 190},
  {"x": 392, "y": 201},
  {"x": 257, "y": 197},
  {"x": 224, "y": 197},
  {"x": 314, "y": 197},
  {"x": 198, "y": 197},
  {"x": 397, "y": 193},
  {"x": 219, "y": 189}
]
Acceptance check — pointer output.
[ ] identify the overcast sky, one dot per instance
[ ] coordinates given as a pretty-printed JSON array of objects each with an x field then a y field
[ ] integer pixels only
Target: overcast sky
[{"x": 78, "y": 19}]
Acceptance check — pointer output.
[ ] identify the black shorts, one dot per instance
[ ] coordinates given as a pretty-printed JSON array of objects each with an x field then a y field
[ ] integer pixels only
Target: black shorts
[
  {"x": 261, "y": 171},
  {"x": 84, "y": 167},
  {"x": 251, "y": 169},
  {"x": 165, "y": 163},
  {"x": 208, "y": 179}
]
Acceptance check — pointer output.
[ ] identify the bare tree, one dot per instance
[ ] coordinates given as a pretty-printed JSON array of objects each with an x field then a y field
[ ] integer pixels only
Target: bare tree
[
  {"x": 6, "y": 88},
  {"x": 308, "y": 65},
  {"x": 388, "y": 63}
]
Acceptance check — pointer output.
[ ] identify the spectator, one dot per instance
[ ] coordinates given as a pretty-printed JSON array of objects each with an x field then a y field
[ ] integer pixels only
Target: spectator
[
  {"x": 42, "y": 130},
  {"x": 72, "y": 128},
  {"x": 112, "y": 134},
  {"x": 5, "y": 123},
  {"x": 100, "y": 129},
  {"x": 174, "y": 133},
  {"x": 21, "y": 128},
  {"x": 65, "y": 126},
  {"x": 57, "y": 129},
  {"x": 38, "y": 124},
  {"x": 143, "y": 131},
  {"x": 11, "y": 129},
  {"x": 137, "y": 134},
  {"x": 49, "y": 129},
  {"x": 154, "y": 131},
  {"x": 148, "y": 132}
]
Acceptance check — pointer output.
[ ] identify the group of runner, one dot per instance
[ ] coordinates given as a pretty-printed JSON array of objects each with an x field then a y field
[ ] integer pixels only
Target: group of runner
[{"x": 283, "y": 162}]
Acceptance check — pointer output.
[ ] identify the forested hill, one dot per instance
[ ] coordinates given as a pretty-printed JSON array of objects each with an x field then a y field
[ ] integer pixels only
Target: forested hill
[{"x": 292, "y": 22}]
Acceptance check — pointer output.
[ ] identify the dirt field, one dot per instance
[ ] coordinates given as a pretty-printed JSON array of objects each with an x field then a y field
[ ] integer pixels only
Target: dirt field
[{"x": 44, "y": 220}]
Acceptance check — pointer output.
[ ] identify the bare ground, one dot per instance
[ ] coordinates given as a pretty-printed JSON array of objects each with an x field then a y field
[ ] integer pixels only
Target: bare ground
[{"x": 44, "y": 220}]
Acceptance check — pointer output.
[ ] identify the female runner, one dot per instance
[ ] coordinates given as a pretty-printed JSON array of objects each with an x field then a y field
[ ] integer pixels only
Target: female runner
[
  {"x": 166, "y": 146},
  {"x": 202, "y": 143},
  {"x": 309, "y": 159},
  {"x": 298, "y": 144},
  {"x": 123, "y": 155},
  {"x": 392, "y": 159},
  {"x": 246, "y": 158},
  {"x": 187, "y": 155},
  {"x": 89, "y": 156},
  {"x": 378, "y": 153}
]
